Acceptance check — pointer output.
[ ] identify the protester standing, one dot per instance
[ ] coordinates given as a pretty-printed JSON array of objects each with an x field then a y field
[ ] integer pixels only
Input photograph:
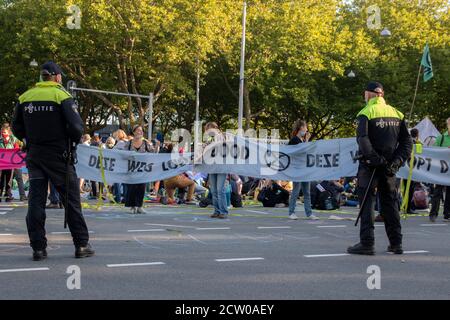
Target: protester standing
[
  {"x": 120, "y": 142},
  {"x": 134, "y": 198},
  {"x": 438, "y": 191},
  {"x": 7, "y": 141},
  {"x": 216, "y": 181},
  {"x": 300, "y": 134}
]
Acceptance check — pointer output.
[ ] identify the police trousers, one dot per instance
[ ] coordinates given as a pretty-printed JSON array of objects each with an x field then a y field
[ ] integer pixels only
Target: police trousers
[
  {"x": 42, "y": 167},
  {"x": 389, "y": 205}
]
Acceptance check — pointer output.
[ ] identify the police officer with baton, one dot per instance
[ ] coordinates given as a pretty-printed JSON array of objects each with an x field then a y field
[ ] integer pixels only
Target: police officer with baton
[
  {"x": 47, "y": 120},
  {"x": 384, "y": 146}
]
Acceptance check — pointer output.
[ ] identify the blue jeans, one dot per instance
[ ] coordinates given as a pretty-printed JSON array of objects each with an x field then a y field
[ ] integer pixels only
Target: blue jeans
[
  {"x": 305, "y": 186},
  {"x": 54, "y": 195},
  {"x": 218, "y": 192}
]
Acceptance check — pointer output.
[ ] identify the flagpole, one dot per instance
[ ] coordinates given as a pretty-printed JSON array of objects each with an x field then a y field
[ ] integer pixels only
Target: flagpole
[
  {"x": 241, "y": 74},
  {"x": 415, "y": 93}
]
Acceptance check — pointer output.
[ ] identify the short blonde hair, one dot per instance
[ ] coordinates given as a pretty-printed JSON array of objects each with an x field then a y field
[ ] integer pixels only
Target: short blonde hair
[
  {"x": 86, "y": 137},
  {"x": 120, "y": 135}
]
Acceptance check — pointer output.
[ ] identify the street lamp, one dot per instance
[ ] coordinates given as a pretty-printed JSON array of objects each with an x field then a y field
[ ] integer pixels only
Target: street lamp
[
  {"x": 351, "y": 74},
  {"x": 34, "y": 63},
  {"x": 385, "y": 33}
]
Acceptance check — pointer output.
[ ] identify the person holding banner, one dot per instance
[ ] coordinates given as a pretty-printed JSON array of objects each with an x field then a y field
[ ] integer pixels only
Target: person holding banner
[
  {"x": 438, "y": 191},
  {"x": 216, "y": 181},
  {"x": 134, "y": 197},
  {"x": 46, "y": 118},
  {"x": 384, "y": 145},
  {"x": 300, "y": 134}
]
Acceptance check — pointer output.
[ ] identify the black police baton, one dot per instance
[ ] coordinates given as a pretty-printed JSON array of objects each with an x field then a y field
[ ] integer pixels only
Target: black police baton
[
  {"x": 68, "y": 157},
  {"x": 363, "y": 202}
]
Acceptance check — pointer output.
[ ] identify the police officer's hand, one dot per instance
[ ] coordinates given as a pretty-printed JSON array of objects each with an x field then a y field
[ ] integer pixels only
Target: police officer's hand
[
  {"x": 393, "y": 167},
  {"x": 376, "y": 161}
]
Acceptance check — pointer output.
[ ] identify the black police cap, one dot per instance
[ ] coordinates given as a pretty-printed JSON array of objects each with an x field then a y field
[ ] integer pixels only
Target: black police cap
[
  {"x": 50, "y": 68},
  {"x": 374, "y": 86}
]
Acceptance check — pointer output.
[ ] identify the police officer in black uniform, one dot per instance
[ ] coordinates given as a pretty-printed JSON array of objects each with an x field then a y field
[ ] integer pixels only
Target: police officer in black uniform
[
  {"x": 47, "y": 120},
  {"x": 384, "y": 144}
]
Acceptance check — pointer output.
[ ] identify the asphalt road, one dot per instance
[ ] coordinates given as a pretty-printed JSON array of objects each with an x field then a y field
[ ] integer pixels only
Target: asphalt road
[{"x": 178, "y": 252}]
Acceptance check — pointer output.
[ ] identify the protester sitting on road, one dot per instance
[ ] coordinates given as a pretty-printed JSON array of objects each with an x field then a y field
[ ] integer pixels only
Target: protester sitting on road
[
  {"x": 410, "y": 209},
  {"x": 135, "y": 192},
  {"x": 327, "y": 195},
  {"x": 273, "y": 195},
  {"x": 179, "y": 181}
]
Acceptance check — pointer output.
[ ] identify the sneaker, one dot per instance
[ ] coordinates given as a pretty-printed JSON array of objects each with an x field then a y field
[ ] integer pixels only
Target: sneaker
[
  {"x": 293, "y": 216},
  {"x": 312, "y": 217},
  {"x": 446, "y": 219},
  {"x": 397, "y": 249},
  {"x": 359, "y": 248},
  {"x": 133, "y": 210},
  {"x": 39, "y": 255},
  {"x": 141, "y": 210},
  {"x": 9, "y": 199},
  {"x": 215, "y": 215},
  {"x": 280, "y": 205},
  {"x": 433, "y": 218},
  {"x": 84, "y": 252},
  {"x": 23, "y": 198},
  {"x": 222, "y": 216},
  {"x": 191, "y": 203}
]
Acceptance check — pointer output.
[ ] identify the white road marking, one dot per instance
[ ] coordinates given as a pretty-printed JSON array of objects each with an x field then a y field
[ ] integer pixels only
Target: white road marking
[
  {"x": 239, "y": 259},
  {"x": 434, "y": 225},
  {"x": 134, "y": 264},
  {"x": 148, "y": 230},
  {"x": 222, "y": 228},
  {"x": 255, "y": 211},
  {"x": 283, "y": 227},
  {"x": 417, "y": 251},
  {"x": 168, "y": 225},
  {"x": 3, "y": 212},
  {"x": 336, "y": 226},
  {"x": 195, "y": 239},
  {"x": 326, "y": 255},
  {"x": 24, "y": 269},
  {"x": 5, "y": 234},
  {"x": 379, "y": 225},
  {"x": 7, "y": 209}
]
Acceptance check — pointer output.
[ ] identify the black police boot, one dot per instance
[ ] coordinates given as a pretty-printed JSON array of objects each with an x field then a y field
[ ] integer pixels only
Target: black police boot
[
  {"x": 39, "y": 255},
  {"x": 396, "y": 249},
  {"x": 359, "y": 248},
  {"x": 84, "y": 252}
]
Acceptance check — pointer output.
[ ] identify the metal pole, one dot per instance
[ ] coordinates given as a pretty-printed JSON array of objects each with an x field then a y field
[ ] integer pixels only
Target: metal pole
[
  {"x": 197, "y": 101},
  {"x": 150, "y": 116},
  {"x": 415, "y": 94},
  {"x": 241, "y": 76},
  {"x": 111, "y": 92}
]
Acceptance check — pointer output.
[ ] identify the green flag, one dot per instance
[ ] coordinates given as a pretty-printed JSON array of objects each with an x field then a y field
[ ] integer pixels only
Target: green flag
[{"x": 426, "y": 64}]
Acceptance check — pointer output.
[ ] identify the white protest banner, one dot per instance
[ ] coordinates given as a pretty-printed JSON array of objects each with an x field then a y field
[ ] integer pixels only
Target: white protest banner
[
  {"x": 314, "y": 161},
  {"x": 431, "y": 166},
  {"x": 130, "y": 167}
]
